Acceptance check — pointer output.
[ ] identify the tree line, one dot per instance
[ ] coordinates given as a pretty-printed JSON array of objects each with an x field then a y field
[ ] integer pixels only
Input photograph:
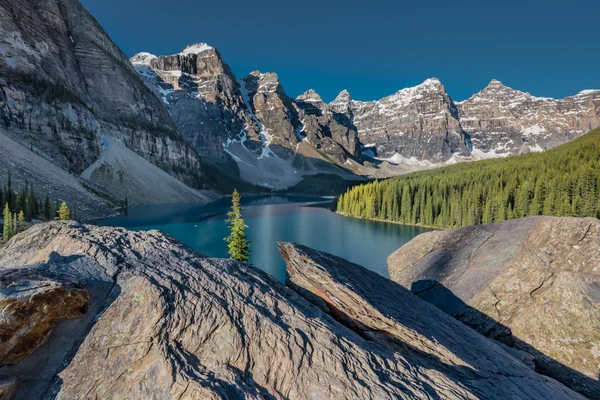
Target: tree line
[
  {"x": 22, "y": 206},
  {"x": 564, "y": 181}
]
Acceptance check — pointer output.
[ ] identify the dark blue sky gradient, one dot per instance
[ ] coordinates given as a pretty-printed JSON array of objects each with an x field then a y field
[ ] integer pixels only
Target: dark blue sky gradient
[{"x": 374, "y": 48}]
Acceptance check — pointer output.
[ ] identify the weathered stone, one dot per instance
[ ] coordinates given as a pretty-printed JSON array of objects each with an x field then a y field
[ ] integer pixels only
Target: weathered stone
[
  {"x": 31, "y": 305},
  {"x": 531, "y": 283},
  {"x": 467, "y": 365},
  {"x": 179, "y": 325}
]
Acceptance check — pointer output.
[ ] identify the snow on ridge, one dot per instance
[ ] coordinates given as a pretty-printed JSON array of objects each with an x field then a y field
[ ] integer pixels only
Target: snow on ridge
[
  {"x": 263, "y": 134},
  {"x": 196, "y": 49},
  {"x": 588, "y": 92},
  {"x": 143, "y": 58}
]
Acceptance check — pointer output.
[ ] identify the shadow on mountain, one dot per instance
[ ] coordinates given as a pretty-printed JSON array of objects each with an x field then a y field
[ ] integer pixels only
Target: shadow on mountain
[{"x": 443, "y": 298}]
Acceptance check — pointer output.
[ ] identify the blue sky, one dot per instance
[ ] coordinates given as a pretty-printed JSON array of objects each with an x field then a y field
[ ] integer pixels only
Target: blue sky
[{"x": 374, "y": 48}]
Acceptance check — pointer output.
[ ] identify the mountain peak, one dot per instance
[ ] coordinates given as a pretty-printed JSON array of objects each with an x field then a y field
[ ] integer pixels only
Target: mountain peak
[
  {"x": 143, "y": 58},
  {"x": 495, "y": 83},
  {"x": 343, "y": 97},
  {"x": 310, "y": 96},
  {"x": 196, "y": 48}
]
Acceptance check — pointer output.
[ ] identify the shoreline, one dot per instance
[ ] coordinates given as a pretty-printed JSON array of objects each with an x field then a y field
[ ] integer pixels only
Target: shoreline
[{"x": 437, "y": 228}]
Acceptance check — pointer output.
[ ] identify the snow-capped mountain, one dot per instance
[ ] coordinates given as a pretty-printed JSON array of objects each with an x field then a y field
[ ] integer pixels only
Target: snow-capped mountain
[
  {"x": 501, "y": 120},
  {"x": 251, "y": 121},
  {"x": 255, "y": 123}
]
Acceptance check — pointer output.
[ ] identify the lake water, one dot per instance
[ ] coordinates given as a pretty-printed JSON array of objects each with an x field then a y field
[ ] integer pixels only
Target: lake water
[{"x": 301, "y": 219}]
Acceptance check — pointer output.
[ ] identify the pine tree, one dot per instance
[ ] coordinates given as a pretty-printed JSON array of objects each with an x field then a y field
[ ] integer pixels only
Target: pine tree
[
  {"x": 64, "y": 214},
  {"x": 21, "y": 224},
  {"x": 8, "y": 224},
  {"x": 238, "y": 244}
]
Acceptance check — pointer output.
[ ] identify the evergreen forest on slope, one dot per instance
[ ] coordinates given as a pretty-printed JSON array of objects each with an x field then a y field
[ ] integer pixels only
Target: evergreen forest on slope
[{"x": 564, "y": 181}]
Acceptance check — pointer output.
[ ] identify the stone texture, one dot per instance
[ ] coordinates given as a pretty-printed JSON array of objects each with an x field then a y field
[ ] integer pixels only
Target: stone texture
[
  {"x": 31, "y": 305},
  {"x": 532, "y": 284},
  {"x": 167, "y": 322},
  {"x": 64, "y": 85},
  {"x": 447, "y": 359}
]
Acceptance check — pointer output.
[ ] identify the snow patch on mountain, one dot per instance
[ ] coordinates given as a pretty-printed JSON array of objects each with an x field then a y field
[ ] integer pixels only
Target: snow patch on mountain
[{"x": 196, "y": 49}]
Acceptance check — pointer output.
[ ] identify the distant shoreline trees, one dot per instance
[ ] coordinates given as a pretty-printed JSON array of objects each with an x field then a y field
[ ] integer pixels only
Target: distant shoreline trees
[
  {"x": 564, "y": 181},
  {"x": 238, "y": 244},
  {"x": 22, "y": 206}
]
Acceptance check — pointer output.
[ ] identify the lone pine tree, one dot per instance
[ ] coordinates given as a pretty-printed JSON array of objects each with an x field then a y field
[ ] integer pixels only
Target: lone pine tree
[
  {"x": 238, "y": 244},
  {"x": 64, "y": 213}
]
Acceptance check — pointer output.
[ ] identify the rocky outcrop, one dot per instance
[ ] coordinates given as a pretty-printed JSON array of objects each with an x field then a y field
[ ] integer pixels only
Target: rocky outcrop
[
  {"x": 502, "y": 121},
  {"x": 166, "y": 322},
  {"x": 467, "y": 365},
  {"x": 64, "y": 84},
  {"x": 532, "y": 284}
]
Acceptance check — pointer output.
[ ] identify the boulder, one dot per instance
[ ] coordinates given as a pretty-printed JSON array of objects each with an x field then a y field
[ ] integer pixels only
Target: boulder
[
  {"x": 532, "y": 283},
  {"x": 444, "y": 357},
  {"x": 164, "y": 321}
]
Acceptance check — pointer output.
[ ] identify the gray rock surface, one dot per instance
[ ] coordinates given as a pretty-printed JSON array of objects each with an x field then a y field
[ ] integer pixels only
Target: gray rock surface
[
  {"x": 531, "y": 283},
  {"x": 467, "y": 365},
  {"x": 64, "y": 84},
  {"x": 166, "y": 322}
]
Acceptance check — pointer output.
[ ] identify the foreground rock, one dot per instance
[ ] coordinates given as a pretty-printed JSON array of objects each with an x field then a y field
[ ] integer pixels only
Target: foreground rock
[
  {"x": 31, "y": 305},
  {"x": 533, "y": 284},
  {"x": 163, "y": 321},
  {"x": 448, "y": 359}
]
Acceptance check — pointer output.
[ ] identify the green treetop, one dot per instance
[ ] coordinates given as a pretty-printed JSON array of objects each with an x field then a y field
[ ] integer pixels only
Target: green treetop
[
  {"x": 21, "y": 224},
  {"x": 8, "y": 224},
  {"x": 238, "y": 244},
  {"x": 64, "y": 214}
]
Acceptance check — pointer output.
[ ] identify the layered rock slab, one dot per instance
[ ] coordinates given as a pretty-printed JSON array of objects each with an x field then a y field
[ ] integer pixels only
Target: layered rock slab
[
  {"x": 450, "y": 360},
  {"x": 167, "y": 322},
  {"x": 531, "y": 283}
]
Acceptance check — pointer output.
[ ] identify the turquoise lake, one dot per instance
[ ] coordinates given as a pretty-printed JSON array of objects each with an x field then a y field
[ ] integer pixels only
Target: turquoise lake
[{"x": 305, "y": 220}]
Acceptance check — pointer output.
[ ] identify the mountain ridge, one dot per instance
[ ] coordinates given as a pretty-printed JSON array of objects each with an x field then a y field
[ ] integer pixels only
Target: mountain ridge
[{"x": 414, "y": 128}]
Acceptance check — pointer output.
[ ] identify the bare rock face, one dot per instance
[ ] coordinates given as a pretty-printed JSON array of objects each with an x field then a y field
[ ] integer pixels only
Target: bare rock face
[
  {"x": 201, "y": 94},
  {"x": 166, "y": 322},
  {"x": 445, "y": 358},
  {"x": 420, "y": 122},
  {"x": 64, "y": 85},
  {"x": 31, "y": 305},
  {"x": 532, "y": 284},
  {"x": 505, "y": 121}
]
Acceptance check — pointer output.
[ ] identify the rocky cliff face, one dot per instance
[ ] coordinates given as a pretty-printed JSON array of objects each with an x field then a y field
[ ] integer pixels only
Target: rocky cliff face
[
  {"x": 502, "y": 121},
  {"x": 64, "y": 84},
  {"x": 532, "y": 284},
  {"x": 420, "y": 123},
  {"x": 251, "y": 121},
  {"x": 162, "y": 321}
]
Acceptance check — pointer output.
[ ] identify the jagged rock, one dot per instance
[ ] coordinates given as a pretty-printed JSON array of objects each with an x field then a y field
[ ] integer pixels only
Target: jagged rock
[
  {"x": 531, "y": 283},
  {"x": 502, "y": 121},
  {"x": 420, "y": 122},
  {"x": 166, "y": 322},
  {"x": 64, "y": 84},
  {"x": 31, "y": 305},
  {"x": 446, "y": 358}
]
